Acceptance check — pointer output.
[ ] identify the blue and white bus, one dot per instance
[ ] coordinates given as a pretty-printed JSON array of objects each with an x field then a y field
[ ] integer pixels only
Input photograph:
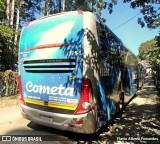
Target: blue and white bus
[{"x": 74, "y": 73}]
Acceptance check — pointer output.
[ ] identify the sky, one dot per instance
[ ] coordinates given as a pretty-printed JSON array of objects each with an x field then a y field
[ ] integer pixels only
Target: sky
[{"x": 131, "y": 33}]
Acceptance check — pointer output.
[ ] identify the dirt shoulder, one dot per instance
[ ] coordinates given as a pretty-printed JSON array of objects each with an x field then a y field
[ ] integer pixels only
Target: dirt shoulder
[
  {"x": 9, "y": 101},
  {"x": 140, "y": 121}
]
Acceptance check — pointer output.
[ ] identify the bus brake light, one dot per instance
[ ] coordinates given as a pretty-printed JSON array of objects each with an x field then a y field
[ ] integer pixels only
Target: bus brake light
[{"x": 84, "y": 105}]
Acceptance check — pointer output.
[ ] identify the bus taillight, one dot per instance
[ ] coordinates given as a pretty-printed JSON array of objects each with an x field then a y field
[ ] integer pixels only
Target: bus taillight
[
  {"x": 20, "y": 90},
  {"x": 85, "y": 105}
]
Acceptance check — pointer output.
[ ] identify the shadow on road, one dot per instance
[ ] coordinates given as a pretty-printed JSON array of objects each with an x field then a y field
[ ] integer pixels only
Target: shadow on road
[{"x": 68, "y": 134}]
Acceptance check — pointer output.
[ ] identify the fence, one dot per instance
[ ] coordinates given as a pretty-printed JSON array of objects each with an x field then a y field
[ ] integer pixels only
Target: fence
[{"x": 8, "y": 83}]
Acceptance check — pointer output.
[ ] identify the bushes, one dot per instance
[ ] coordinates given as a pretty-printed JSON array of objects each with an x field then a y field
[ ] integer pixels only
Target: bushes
[{"x": 8, "y": 83}]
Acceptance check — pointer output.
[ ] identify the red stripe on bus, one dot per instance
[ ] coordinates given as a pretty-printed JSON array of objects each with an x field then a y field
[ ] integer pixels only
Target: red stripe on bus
[{"x": 48, "y": 46}]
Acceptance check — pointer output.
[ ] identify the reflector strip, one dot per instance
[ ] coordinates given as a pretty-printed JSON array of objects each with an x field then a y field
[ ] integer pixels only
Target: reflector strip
[
  {"x": 51, "y": 104},
  {"x": 34, "y": 102},
  {"x": 62, "y": 106}
]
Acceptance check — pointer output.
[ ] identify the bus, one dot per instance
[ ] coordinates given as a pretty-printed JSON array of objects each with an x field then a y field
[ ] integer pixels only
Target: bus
[{"x": 75, "y": 74}]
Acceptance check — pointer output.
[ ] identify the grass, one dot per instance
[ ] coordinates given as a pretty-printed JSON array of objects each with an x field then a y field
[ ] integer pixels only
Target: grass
[{"x": 9, "y": 101}]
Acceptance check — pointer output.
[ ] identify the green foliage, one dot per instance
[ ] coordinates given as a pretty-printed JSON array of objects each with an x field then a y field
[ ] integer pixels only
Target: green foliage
[
  {"x": 154, "y": 59},
  {"x": 145, "y": 48},
  {"x": 2, "y": 7},
  {"x": 90, "y": 5},
  {"x": 150, "y": 10},
  {"x": 8, "y": 35},
  {"x": 150, "y": 51},
  {"x": 6, "y": 44},
  {"x": 29, "y": 9},
  {"x": 154, "y": 56}
]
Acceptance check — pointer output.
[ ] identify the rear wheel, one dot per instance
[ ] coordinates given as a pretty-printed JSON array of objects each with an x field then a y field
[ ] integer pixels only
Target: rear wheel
[
  {"x": 120, "y": 105},
  {"x": 122, "y": 99}
]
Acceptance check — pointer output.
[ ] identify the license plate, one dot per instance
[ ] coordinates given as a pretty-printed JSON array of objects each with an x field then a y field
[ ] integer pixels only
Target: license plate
[{"x": 46, "y": 118}]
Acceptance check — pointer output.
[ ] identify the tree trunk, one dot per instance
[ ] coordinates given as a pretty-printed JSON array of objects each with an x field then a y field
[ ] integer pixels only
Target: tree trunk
[
  {"x": 11, "y": 25},
  {"x": 12, "y": 13},
  {"x": 7, "y": 12},
  {"x": 59, "y": 5},
  {"x": 63, "y": 9},
  {"x": 16, "y": 35},
  {"x": 17, "y": 22},
  {"x": 46, "y": 11}
]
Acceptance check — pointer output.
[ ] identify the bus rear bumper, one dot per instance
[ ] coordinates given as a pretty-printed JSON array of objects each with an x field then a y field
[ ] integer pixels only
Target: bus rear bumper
[{"x": 83, "y": 123}]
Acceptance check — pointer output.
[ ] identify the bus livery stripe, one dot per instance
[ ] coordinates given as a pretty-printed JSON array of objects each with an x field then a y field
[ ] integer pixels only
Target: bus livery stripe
[{"x": 49, "y": 46}]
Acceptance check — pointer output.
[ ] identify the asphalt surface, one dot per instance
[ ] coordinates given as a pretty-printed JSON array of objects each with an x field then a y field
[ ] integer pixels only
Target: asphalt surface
[{"x": 140, "y": 123}]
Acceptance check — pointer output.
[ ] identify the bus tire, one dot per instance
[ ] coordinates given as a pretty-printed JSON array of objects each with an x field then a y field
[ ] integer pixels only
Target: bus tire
[{"x": 122, "y": 99}]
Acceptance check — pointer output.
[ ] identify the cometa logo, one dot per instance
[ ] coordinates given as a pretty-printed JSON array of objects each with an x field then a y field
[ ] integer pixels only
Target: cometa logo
[{"x": 62, "y": 91}]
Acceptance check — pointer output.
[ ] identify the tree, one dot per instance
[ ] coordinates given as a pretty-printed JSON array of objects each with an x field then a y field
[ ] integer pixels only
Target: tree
[
  {"x": 10, "y": 5},
  {"x": 6, "y": 35},
  {"x": 7, "y": 12},
  {"x": 51, "y": 7},
  {"x": 150, "y": 51},
  {"x": 154, "y": 55},
  {"x": 12, "y": 12},
  {"x": 95, "y": 6},
  {"x": 149, "y": 9},
  {"x": 46, "y": 11},
  {"x": 145, "y": 48}
]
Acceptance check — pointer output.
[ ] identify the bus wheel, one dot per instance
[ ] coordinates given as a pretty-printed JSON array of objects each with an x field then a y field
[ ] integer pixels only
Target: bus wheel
[
  {"x": 122, "y": 99},
  {"x": 121, "y": 105}
]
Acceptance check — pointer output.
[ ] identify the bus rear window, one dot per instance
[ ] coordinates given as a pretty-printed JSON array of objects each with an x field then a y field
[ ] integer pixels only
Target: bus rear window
[{"x": 52, "y": 30}]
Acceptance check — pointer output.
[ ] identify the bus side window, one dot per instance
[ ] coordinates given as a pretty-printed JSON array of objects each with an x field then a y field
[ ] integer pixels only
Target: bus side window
[
  {"x": 103, "y": 42},
  {"x": 115, "y": 50}
]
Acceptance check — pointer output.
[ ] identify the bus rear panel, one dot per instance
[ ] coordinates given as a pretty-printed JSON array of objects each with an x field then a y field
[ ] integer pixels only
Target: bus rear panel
[{"x": 53, "y": 89}]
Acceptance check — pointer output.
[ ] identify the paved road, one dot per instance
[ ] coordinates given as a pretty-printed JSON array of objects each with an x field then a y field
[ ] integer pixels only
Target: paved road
[
  {"x": 12, "y": 123},
  {"x": 140, "y": 119}
]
